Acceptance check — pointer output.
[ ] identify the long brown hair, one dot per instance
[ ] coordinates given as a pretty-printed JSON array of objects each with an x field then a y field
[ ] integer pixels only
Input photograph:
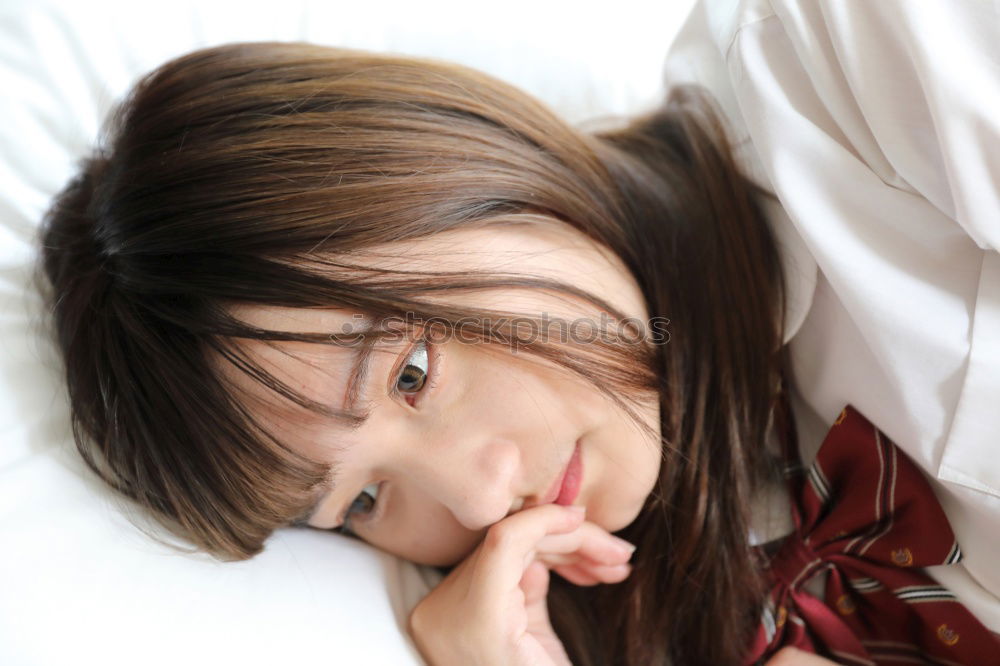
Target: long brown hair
[{"x": 253, "y": 173}]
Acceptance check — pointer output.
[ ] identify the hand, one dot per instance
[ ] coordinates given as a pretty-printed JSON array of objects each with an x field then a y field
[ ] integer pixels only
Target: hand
[
  {"x": 790, "y": 656},
  {"x": 491, "y": 609}
]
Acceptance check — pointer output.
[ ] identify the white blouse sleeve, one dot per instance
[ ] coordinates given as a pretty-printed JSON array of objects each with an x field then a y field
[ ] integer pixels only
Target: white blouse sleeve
[{"x": 915, "y": 87}]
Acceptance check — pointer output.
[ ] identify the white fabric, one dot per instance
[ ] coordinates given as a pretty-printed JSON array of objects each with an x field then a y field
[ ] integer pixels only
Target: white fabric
[
  {"x": 877, "y": 124},
  {"x": 78, "y": 583}
]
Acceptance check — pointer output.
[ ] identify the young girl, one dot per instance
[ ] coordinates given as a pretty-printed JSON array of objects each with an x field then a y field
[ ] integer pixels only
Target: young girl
[{"x": 401, "y": 300}]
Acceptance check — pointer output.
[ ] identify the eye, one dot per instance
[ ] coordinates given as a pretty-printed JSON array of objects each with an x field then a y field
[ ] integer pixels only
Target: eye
[
  {"x": 411, "y": 380},
  {"x": 363, "y": 505},
  {"x": 415, "y": 373}
]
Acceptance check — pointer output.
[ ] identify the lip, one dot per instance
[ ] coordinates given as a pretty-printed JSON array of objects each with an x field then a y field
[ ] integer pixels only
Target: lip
[{"x": 567, "y": 486}]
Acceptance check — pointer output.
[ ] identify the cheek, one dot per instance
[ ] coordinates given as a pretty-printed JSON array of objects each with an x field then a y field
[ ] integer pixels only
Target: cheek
[
  {"x": 630, "y": 465},
  {"x": 622, "y": 494},
  {"x": 425, "y": 535}
]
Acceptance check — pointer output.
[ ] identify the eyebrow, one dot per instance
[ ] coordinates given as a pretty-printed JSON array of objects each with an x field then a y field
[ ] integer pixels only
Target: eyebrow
[{"x": 357, "y": 383}]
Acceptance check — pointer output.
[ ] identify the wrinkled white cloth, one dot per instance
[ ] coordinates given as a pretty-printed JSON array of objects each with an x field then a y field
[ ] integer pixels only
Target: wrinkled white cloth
[{"x": 877, "y": 125}]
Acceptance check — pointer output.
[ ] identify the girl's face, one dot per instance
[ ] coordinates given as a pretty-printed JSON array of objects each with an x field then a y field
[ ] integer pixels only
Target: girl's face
[{"x": 463, "y": 436}]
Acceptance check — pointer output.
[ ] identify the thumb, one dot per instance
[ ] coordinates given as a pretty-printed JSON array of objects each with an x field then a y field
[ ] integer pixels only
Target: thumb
[{"x": 535, "y": 583}]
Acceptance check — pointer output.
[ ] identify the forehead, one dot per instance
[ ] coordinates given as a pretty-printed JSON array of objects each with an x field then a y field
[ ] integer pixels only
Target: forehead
[
  {"x": 535, "y": 242},
  {"x": 318, "y": 372},
  {"x": 299, "y": 320}
]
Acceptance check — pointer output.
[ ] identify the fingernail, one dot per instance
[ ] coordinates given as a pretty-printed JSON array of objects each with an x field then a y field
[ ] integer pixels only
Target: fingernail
[
  {"x": 577, "y": 509},
  {"x": 624, "y": 545}
]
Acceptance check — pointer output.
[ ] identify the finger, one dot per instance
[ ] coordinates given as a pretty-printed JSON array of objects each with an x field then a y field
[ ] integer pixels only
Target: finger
[
  {"x": 593, "y": 574},
  {"x": 511, "y": 545},
  {"x": 535, "y": 583},
  {"x": 535, "y": 586},
  {"x": 577, "y": 575},
  {"x": 589, "y": 541}
]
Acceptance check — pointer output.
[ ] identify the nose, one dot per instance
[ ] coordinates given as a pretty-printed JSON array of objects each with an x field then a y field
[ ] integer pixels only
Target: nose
[{"x": 474, "y": 480}]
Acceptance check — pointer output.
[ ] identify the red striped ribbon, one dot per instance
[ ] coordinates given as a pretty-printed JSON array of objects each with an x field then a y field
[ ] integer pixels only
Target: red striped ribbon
[{"x": 865, "y": 515}]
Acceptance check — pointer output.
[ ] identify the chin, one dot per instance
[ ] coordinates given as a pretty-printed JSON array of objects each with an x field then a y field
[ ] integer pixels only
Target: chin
[{"x": 614, "y": 519}]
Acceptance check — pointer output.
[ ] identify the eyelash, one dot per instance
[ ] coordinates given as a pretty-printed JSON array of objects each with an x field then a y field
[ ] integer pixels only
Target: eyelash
[{"x": 430, "y": 376}]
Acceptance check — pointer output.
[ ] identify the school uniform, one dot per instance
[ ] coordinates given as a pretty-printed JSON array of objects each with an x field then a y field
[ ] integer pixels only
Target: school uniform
[{"x": 877, "y": 125}]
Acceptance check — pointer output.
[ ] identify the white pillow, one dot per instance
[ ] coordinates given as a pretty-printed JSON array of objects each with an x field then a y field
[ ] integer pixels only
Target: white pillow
[{"x": 79, "y": 583}]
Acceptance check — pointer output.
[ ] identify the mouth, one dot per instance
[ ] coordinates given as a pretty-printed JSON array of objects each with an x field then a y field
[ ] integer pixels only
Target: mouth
[{"x": 567, "y": 486}]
